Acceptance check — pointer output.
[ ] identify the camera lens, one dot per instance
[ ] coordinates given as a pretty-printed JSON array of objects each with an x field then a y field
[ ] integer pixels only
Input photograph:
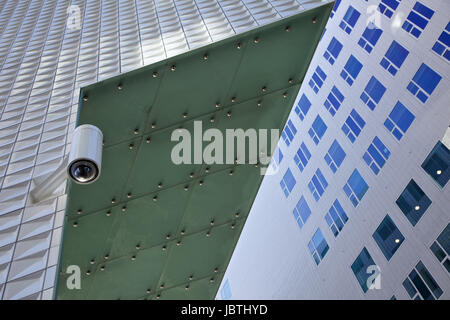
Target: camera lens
[{"x": 83, "y": 171}]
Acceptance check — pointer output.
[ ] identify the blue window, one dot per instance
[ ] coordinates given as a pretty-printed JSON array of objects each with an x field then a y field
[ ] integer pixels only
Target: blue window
[
  {"x": 355, "y": 188},
  {"x": 334, "y": 100},
  {"x": 318, "y": 246},
  {"x": 387, "y": 7},
  {"x": 289, "y": 132},
  {"x": 413, "y": 202},
  {"x": 373, "y": 93},
  {"x": 424, "y": 82},
  {"x": 336, "y": 6},
  {"x": 317, "y": 129},
  {"x": 335, "y": 156},
  {"x": 394, "y": 58},
  {"x": 302, "y": 107},
  {"x": 317, "y": 79},
  {"x": 399, "y": 120},
  {"x": 421, "y": 285},
  {"x": 351, "y": 70},
  {"x": 417, "y": 19},
  {"x": 441, "y": 248},
  {"x": 333, "y": 50},
  {"x": 370, "y": 37},
  {"x": 336, "y": 218},
  {"x": 353, "y": 125},
  {"x": 349, "y": 20},
  {"x": 288, "y": 182},
  {"x": 442, "y": 45},
  {"x": 225, "y": 292},
  {"x": 360, "y": 268},
  {"x": 388, "y": 237},
  {"x": 302, "y": 156},
  {"x": 317, "y": 185},
  {"x": 301, "y": 212},
  {"x": 437, "y": 164},
  {"x": 276, "y": 159},
  {"x": 376, "y": 155}
]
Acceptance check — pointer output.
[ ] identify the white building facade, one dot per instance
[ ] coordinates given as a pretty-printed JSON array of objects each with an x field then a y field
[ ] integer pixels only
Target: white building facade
[
  {"x": 48, "y": 51},
  {"x": 360, "y": 205}
]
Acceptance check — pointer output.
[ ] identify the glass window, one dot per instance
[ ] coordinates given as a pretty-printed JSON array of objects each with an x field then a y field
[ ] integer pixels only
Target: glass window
[
  {"x": 333, "y": 50},
  {"x": 351, "y": 70},
  {"x": 376, "y": 155},
  {"x": 413, "y": 202},
  {"x": 349, "y": 20},
  {"x": 353, "y": 125},
  {"x": 437, "y": 164},
  {"x": 387, "y": 7},
  {"x": 442, "y": 45},
  {"x": 417, "y": 19},
  {"x": 388, "y": 237},
  {"x": 225, "y": 292},
  {"x": 394, "y": 57},
  {"x": 336, "y": 218},
  {"x": 317, "y": 130},
  {"x": 335, "y": 156},
  {"x": 288, "y": 182},
  {"x": 301, "y": 212},
  {"x": 302, "y": 107},
  {"x": 424, "y": 82},
  {"x": 336, "y": 6},
  {"x": 318, "y": 185},
  {"x": 441, "y": 248},
  {"x": 370, "y": 37},
  {"x": 302, "y": 157},
  {"x": 355, "y": 188},
  {"x": 360, "y": 268},
  {"x": 288, "y": 132},
  {"x": 334, "y": 101},
  {"x": 373, "y": 93},
  {"x": 399, "y": 120},
  {"x": 317, "y": 79},
  {"x": 318, "y": 246},
  {"x": 421, "y": 285}
]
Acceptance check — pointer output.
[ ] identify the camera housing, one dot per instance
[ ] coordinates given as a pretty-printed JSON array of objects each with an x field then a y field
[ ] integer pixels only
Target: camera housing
[{"x": 85, "y": 157}]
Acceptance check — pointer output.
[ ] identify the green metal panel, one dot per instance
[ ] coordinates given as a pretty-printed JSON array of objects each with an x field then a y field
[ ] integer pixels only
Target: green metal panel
[{"x": 149, "y": 229}]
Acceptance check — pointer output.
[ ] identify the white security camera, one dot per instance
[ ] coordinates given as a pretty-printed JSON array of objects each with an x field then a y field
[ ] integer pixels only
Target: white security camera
[{"x": 85, "y": 157}]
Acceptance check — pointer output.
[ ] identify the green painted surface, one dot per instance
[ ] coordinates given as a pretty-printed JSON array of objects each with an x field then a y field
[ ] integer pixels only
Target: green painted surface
[{"x": 178, "y": 245}]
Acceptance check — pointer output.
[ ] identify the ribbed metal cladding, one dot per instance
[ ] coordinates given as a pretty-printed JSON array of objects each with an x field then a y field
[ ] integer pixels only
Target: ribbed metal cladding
[{"x": 44, "y": 60}]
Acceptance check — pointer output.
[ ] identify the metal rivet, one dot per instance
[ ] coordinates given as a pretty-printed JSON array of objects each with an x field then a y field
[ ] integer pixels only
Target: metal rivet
[
  {"x": 102, "y": 268},
  {"x": 259, "y": 104},
  {"x": 148, "y": 140},
  {"x": 161, "y": 286},
  {"x": 124, "y": 208},
  {"x": 131, "y": 146},
  {"x": 237, "y": 214},
  {"x": 136, "y": 131},
  {"x": 216, "y": 270},
  {"x": 186, "y": 188},
  {"x": 191, "y": 175},
  {"x": 92, "y": 261},
  {"x": 164, "y": 248},
  {"x": 138, "y": 246},
  {"x": 88, "y": 272},
  {"x": 285, "y": 95},
  {"x": 129, "y": 195},
  {"x": 229, "y": 114},
  {"x": 211, "y": 120},
  {"x": 160, "y": 185},
  {"x": 158, "y": 296},
  {"x": 75, "y": 224},
  {"x": 256, "y": 40},
  {"x": 182, "y": 232},
  {"x": 201, "y": 182},
  {"x": 233, "y": 99},
  {"x": 187, "y": 287},
  {"x": 211, "y": 222},
  {"x": 191, "y": 277},
  {"x": 155, "y": 74},
  {"x": 85, "y": 98},
  {"x": 231, "y": 172},
  {"x": 264, "y": 89},
  {"x": 205, "y": 57},
  {"x": 148, "y": 290},
  {"x": 239, "y": 45},
  {"x": 207, "y": 169},
  {"x": 217, "y": 105},
  {"x": 314, "y": 20},
  {"x": 106, "y": 257},
  {"x": 179, "y": 243},
  {"x": 79, "y": 211},
  {"x": 133, "y": 258},
  {"x": 113, "y": 200},
  {"x": 185, "y": 115},
  {"x": 211, "y": 280},
  {"x": 155, "y": 198},
  {"x": 108, "y": 213},
  {"x": 119, "y": 86},
  {"x": 153, "y": 125},
  {"x": 291, "y": 80},
  {"x": 288, "y": 28},
  {"x": 208, "y": 234},
  {"x": 173, "y": 67},
  {"x": 232, "y": 226}
]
